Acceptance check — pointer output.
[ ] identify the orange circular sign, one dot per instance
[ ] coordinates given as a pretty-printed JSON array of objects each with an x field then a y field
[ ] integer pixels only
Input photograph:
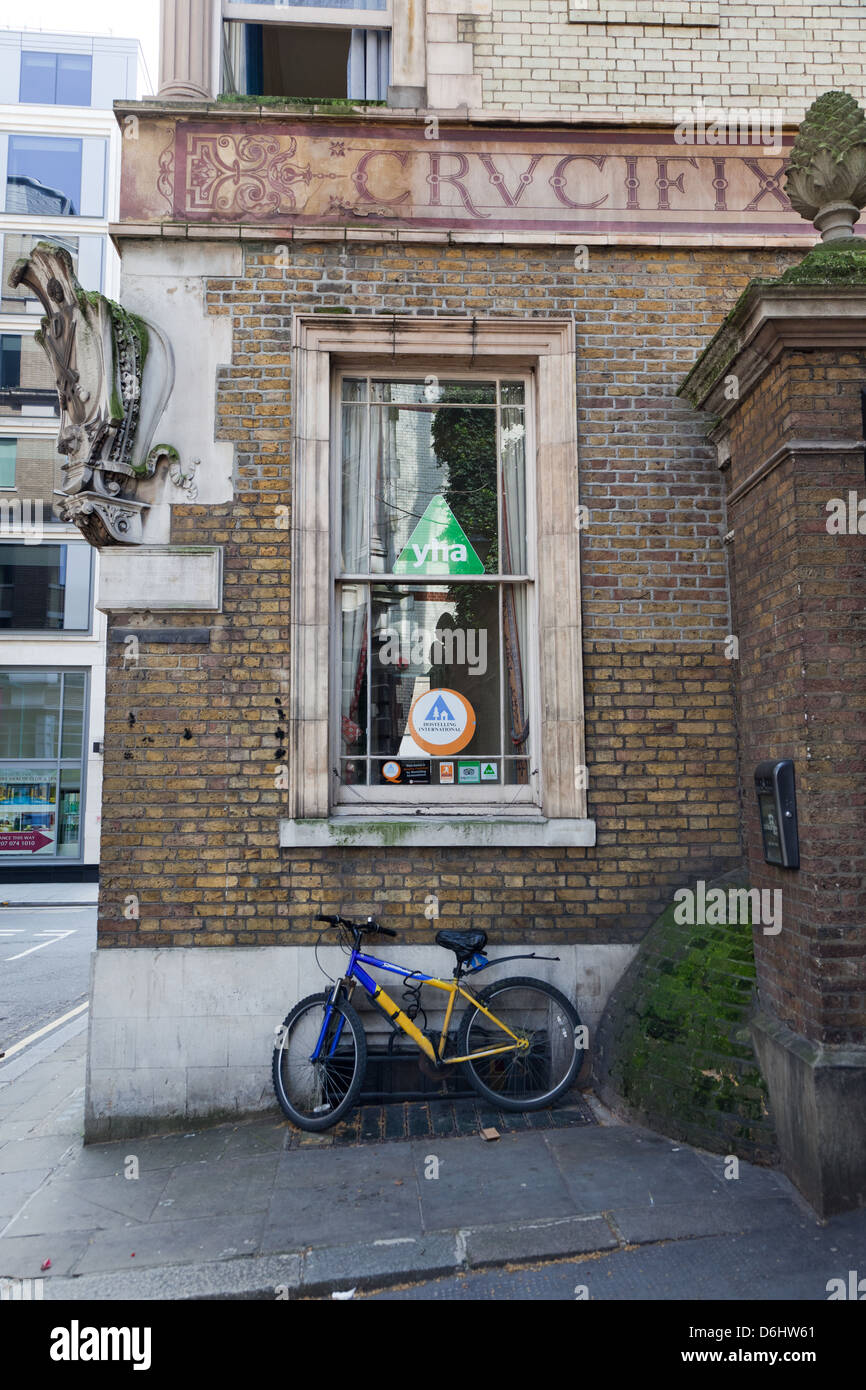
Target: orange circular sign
[{"x": 442, "y": 721}]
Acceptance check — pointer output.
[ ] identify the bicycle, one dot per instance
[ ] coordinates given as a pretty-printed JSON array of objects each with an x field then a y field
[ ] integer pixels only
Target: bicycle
[{"x": 522, "y": 1057}]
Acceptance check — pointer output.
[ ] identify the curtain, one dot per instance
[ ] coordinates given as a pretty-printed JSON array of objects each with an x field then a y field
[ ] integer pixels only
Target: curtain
[
  {"x": 369, "y": 66},
  {"x": 355, "y": 512}
]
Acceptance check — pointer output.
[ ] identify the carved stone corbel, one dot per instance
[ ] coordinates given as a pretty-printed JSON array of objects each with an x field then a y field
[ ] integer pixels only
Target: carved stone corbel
[{"x": 114, "y": 372}]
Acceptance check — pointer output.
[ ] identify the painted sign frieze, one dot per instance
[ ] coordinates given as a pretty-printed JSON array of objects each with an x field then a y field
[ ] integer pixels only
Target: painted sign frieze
[{"x": 589, "y": 182}]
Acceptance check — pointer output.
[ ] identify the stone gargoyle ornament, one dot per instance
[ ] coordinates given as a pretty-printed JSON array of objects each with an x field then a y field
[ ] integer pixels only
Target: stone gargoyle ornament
[{"x": 114, "y": 373}]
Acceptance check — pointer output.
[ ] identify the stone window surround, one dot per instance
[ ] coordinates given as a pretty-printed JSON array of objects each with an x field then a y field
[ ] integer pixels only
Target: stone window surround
[{"x": 322, "y": 343}]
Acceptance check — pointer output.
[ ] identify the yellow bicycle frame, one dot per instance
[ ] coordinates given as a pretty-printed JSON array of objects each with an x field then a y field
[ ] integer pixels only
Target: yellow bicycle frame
[{"x": 452, "y": 988}]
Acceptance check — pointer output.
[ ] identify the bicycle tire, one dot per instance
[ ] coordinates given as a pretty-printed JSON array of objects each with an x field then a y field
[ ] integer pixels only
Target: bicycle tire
[
  {"x": 505, "y": 1095},
  {"x": 315, "y": 1082}
]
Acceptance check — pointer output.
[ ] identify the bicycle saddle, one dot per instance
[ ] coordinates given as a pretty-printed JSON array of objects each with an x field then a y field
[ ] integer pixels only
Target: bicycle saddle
[{"x": 464, "y": 944}]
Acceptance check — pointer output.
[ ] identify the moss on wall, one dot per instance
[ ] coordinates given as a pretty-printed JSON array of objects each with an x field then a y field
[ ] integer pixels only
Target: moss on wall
[{"x": 674, "y": 1049}]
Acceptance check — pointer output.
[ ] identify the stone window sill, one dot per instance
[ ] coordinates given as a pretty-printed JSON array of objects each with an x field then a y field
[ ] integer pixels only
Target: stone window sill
[{"x": 523, "y": 832}]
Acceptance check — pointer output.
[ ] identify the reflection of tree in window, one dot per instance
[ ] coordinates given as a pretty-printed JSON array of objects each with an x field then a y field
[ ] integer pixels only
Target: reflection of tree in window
[{"x": 465, "y": 443}]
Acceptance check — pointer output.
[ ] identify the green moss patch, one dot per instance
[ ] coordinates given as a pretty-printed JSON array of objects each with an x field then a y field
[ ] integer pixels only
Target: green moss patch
[{"x": 674, "y": 1047}]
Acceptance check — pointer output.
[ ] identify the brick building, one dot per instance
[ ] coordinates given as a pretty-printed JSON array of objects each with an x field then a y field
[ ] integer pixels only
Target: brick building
[{"x": 448, "y": 305}]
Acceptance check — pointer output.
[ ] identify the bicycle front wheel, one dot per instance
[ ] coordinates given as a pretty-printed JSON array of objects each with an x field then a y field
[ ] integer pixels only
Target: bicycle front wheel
[
  {"x": 548, "y": 1056},
  {"x": 316, "y": 1093}
]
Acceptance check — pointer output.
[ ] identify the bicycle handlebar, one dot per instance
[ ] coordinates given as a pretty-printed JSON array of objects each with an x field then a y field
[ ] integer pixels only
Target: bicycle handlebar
[{"x": 370, "y": 925}]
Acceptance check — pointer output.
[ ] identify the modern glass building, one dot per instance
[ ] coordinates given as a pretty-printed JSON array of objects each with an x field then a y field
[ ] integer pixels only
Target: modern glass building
[{"x": 59, "y": 172}]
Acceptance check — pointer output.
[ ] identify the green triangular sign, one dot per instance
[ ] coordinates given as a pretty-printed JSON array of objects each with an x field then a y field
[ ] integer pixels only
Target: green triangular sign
[{"x": 438, "y": 545}]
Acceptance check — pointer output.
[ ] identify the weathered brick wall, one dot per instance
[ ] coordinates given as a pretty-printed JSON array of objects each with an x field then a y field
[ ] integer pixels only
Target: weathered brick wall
[
  {"x": 531, "y": 57},
  {"x": 799, "y": 601},
  {"x": 193, "y": 732}
]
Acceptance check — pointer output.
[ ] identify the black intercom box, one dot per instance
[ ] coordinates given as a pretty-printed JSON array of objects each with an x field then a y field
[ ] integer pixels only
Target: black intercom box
[{"x": 777, "y": 805}]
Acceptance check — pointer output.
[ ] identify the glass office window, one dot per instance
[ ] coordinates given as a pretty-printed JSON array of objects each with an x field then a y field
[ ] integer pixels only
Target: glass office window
[
  {"x": 45, "y": 587},
  {"x": 8, "y": 452},
  {"x": 55, "y": 79},
  {"x": 86, "y": 252},
  {"x": 10, "y": 360},
  {"x": 41, "y": 763},
  {"x": 44, "y": 175}
]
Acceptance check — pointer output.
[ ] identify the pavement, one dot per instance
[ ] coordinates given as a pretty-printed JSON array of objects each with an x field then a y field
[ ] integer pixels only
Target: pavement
[
  {"x": 232, "y": 1211},
  {"x": 48, "y": 894}
]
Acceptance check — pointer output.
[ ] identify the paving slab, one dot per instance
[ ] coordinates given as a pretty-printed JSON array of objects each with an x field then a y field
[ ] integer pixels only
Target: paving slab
[
  {"x": 67, "y": 1204},
  {"x": 608, "y": 1167},
  {"x": 22, "y": 1257},
  {"x": 317, "y": 1204},
  {"x": 173, "y": 1242},
  {"x": 513, "y": 1178}
]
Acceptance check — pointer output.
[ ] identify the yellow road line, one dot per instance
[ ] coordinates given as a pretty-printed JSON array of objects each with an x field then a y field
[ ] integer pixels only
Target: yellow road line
[{"x": 49, "y": 1027}]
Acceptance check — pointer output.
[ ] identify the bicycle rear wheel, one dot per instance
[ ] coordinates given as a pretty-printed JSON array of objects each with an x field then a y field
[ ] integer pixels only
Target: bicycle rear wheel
[
  {"x": 546, "y": 1024},
  {"x": 316, "y": 1094}
]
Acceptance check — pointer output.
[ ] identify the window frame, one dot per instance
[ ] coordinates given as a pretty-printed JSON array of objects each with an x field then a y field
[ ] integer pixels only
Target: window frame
[
  {"x": 54, "y": 633},
  {"x": 311, "y": 16},
  {"x": 497, "y": 797},
  {"x": 443, "y": 345}
]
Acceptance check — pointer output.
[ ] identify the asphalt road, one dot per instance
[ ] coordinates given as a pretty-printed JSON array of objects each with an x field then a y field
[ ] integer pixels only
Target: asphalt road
[{"x": 44, "y": 966}]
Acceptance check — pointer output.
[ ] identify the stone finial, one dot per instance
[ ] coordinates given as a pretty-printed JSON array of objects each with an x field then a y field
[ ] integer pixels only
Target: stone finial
[{"x": 826, "y": 176}]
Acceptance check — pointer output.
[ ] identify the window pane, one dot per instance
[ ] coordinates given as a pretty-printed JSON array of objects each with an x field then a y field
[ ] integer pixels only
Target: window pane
[
  {"x": 76, "y": 592},
  {"x": 45, "y": 587},
  {"x": 31, "y": 586},
  {"x": 73, "y": 79},
  {"x": 38, "y": 71},
  {"x": 434, "y": 490},
  {"x": 512, "y": 393},
  {"x": 446, "y": 639},
  {"x": 432, "y": 391},
  {"x": 44, "y": 175},
  {"x": 69, "y": 828},
  {"x": 7, "y": 462},
  {"x": 29, "y": 386},
  {"x": 18, "y": 245},
  {"x": 356, "y": 490},
  {"x": 28, "y": 810},
  {"x": 513, "y": 446},
  {"x": 10, "y": 360},
  {"x": 73, "y": 715},
  {"x": 29, "y": 714}
]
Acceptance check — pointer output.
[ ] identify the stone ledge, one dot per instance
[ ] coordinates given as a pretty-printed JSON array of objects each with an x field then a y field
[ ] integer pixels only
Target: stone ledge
[{"x": 523, "y": 832}]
